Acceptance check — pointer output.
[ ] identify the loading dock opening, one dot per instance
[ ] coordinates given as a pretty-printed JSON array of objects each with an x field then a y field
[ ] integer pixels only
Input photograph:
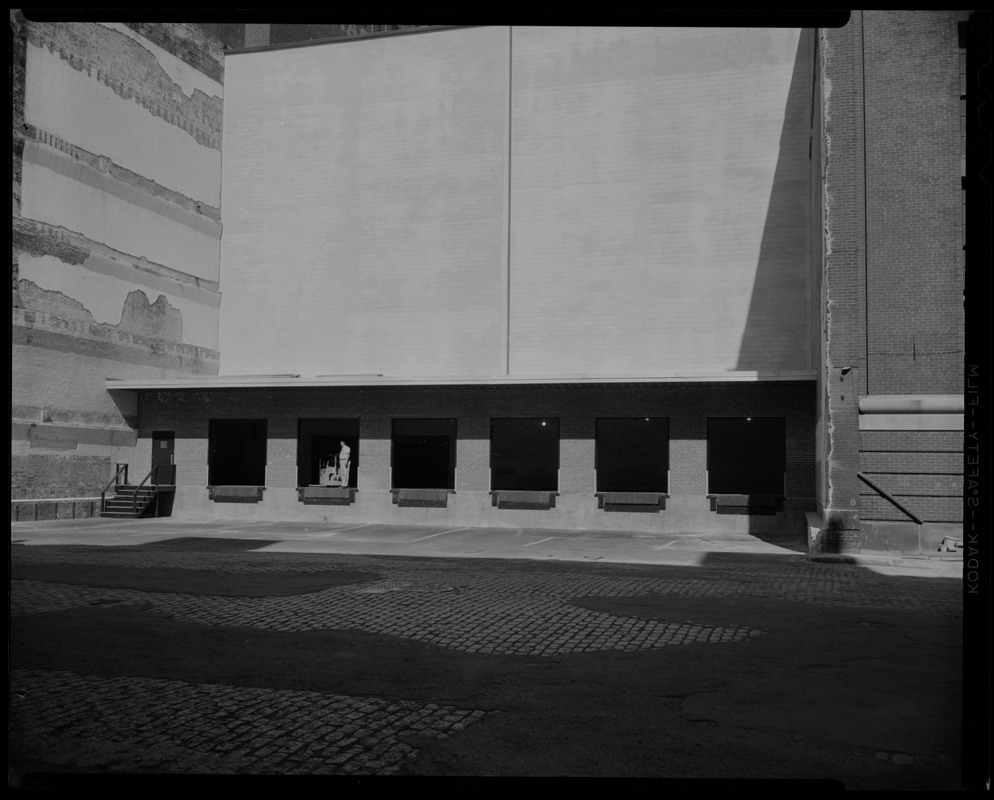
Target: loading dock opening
[
  {"x": 237, "y": 452},
  {"x": 747, "y": 456},
  {"x": 524, "y": 454},
  {"x": 633, "y": 454},
  {"x": 423, "y": 454},
  {"x": 319, "y": 445}
]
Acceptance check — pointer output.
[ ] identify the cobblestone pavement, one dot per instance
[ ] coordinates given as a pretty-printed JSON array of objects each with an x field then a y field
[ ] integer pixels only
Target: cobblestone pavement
[{"x": 162, "y": 725}]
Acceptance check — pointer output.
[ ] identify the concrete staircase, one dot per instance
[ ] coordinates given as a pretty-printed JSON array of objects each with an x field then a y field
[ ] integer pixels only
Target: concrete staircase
[{"x": 121, "y": 505}]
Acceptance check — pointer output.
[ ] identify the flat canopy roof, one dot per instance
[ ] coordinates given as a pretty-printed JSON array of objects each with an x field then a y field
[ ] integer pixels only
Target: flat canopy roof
[{"x": 320, "y": 381}]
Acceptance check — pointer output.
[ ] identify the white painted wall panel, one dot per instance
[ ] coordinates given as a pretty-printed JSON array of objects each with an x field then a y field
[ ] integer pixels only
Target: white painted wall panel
[
  {"x": 61, "y": 192},
  {"x": 365, "y": 207},
  {"x": 659, "y": 191},
  {"x": 78, "y": 108},
  {"x": 657, "y": 218}
]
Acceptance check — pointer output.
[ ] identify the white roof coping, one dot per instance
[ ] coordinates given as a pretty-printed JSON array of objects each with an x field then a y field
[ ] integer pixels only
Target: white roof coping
[{"x": 318, "y": 381}]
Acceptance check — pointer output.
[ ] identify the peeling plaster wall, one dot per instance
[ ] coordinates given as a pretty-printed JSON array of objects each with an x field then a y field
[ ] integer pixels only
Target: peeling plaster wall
[
  {"x": 116, "y": 246},
  {"x": 111, "y": 83},
  {"x": 60, "y": 191}
]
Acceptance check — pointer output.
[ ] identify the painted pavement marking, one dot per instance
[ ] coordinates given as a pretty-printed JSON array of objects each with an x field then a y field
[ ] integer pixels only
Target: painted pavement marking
[
  {"x": 440, "y": 533},
  {"x": 546, "y": 539}
]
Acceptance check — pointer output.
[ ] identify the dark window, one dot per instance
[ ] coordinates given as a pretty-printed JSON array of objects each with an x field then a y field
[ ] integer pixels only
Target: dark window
[
  {"x": 237, "y": 452},
  {"x": 319, "y": 447},
  {"x": 524, "y": 454},
  {"x": 424, "y": 454},
  {"x": 746, "y": 455},
  {"x": 633, "y": 454}
]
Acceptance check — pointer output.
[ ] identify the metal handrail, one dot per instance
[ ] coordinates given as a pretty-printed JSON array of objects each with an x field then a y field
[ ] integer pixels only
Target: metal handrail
[
  {"x": 134, "y": 502},
  {"x": 887, "y": 497},
  {"x": 103, "y": 495}
]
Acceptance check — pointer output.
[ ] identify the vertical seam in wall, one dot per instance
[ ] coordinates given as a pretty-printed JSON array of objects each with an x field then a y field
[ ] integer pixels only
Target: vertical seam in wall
[
  {"x": 510, "y": 67},
  {"x": 866, "y": 227}
]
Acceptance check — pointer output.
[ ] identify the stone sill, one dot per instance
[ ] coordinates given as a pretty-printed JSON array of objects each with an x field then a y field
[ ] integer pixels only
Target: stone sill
[
  {"x": 421, "y": 498},
  {"x": 644, "y": 502},
  {"x": 326, "y": 495},
  {"x": 236, "y": 494},
  {"x": 754, "y": 504},
  {"x": 523, "y": 499}
]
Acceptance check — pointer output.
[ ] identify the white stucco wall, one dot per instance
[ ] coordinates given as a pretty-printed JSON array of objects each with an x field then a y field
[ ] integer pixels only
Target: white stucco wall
[
  {"x": 656, "y": 186},
  {"x": 364, "y": 191},
  {"x": 648, "y": 215}
]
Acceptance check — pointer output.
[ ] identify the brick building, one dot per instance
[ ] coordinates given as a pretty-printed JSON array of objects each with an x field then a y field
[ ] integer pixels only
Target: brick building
[{"x": 662, "y": 279}]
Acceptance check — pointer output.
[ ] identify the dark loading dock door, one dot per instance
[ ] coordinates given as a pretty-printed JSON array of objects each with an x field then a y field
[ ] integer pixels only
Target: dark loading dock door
[
  {"x": 424, "y": 454},
  {"x": 163, "y": 452},
  {"x": 237, "y": 452},
  {"x": 747, "y": 455}
]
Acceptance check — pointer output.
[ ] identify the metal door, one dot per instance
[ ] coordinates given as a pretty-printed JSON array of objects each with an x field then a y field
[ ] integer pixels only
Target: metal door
[{"x": 163, "y": 446}]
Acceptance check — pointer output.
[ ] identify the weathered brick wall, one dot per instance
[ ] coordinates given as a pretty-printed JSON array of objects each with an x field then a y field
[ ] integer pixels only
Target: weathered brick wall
[
  {"x": 233, "y": 34},
  {"x": 914, "y": 202},
  {"x": 843, "y": 364},
  {"x": 75, "y": 475},
  {"x": 115, "y": 217},
  {"x": 893, "y": 276},
  {"x": 284, "y": 33},
  {"x": 922, "y": 470}
]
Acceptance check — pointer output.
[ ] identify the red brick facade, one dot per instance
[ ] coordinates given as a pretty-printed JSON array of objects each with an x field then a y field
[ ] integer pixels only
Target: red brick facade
[
  {"x": 894, "y": 266},
  {"x": 688, "y": 407}
]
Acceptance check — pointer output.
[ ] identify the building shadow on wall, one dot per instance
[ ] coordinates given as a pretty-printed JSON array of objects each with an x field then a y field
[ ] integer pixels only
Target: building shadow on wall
[{"x": 777, "y": 333}]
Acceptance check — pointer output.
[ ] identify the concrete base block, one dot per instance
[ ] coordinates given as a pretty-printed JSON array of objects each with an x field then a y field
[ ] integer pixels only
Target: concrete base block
[
  {"x": 828, "y": 532},
  {"x": 681, "y": 514},
  {"x": 908, "y": 537}
]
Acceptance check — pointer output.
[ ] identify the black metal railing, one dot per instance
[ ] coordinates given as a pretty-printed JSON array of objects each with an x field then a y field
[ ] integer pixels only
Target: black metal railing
[
  {"x": 134, "y": 505},
  {"x": 887, "y": 497},
  {"x": 113, "y": 481}
]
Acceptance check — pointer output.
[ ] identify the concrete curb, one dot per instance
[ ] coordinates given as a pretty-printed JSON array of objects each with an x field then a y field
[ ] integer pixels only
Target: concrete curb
[{"x": 942, "y": 561}]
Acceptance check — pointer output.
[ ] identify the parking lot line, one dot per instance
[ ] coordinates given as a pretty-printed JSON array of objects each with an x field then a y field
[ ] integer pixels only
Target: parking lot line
[
  {"x": 668, "y": 544},
  {"x": 440, "y": 533},
  {"x": 546, "y": 539}
]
